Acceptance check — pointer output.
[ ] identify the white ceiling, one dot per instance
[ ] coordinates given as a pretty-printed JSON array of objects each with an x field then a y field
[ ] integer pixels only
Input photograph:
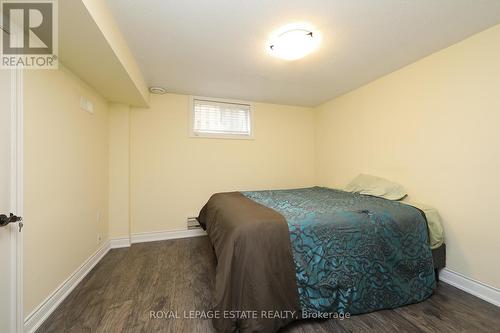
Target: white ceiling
[{"x": 217, "y": 48}]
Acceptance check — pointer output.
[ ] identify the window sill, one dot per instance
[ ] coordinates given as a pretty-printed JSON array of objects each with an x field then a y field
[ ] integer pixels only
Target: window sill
[{"x": 222, "y": 136}]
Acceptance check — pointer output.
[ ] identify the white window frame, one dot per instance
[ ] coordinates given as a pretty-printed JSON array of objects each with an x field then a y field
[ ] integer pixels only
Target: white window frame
[{"x": 192, "y": 133}]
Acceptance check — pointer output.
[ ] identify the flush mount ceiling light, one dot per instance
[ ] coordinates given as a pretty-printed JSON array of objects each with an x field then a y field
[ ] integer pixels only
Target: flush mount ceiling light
[
  {"x": 157, "y": 90},
  {"x": 292, "y": 43}
]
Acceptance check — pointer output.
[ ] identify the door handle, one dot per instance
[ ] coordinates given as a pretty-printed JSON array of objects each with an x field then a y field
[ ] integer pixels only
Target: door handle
[{"x": 5, "y": 220}]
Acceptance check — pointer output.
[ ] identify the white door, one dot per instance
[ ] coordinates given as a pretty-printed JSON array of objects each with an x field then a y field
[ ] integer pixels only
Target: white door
[{"x": 10, "y": 308}]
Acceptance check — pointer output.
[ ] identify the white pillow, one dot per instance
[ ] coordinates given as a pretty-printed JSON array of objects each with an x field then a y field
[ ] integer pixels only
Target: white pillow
[{"x": 380, "y": 187}]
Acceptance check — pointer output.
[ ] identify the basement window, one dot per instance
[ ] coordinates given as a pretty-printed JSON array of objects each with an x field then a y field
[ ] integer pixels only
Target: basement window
[{"x": 217, "y": 118}]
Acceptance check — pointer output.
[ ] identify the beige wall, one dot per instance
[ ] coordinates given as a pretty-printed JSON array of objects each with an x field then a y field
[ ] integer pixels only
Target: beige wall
[
  {"x": 434, "y": 127},
  {"x": 173, "y": 175},
  {"x": 65, "y": 178},
  {"x": 119, "y": 171}
]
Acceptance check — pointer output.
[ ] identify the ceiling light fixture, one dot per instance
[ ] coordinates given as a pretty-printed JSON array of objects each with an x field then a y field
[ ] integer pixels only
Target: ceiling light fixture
[
  {"x": 157, "y": 90},
  {"x": 293, "y": 43}
]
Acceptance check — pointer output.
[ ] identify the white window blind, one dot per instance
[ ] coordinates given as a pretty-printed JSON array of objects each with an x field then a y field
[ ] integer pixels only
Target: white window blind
[{"x": 225, "y": 119}]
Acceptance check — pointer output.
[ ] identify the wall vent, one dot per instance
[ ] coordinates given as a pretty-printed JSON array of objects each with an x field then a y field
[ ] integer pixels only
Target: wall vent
[{"x": 192, "y": 223}]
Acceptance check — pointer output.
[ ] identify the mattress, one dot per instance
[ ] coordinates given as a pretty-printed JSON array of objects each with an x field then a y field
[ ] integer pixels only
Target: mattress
[{"x": 439, "y": 257}]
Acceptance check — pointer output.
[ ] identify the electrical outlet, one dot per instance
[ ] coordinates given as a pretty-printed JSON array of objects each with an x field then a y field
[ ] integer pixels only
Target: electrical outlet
[{"x": 98, "y": 219}]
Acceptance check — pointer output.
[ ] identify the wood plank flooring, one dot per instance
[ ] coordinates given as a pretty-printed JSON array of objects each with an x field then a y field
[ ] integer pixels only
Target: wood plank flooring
[{"x": 178, "y": 275}]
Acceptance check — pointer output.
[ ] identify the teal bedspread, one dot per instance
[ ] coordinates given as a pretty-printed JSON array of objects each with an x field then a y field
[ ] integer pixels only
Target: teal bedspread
[{"x": 353, "y": 253}]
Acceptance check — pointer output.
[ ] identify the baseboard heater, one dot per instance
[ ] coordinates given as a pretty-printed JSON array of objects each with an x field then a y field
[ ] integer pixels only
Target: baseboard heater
[{"x": 193, "y": 224}]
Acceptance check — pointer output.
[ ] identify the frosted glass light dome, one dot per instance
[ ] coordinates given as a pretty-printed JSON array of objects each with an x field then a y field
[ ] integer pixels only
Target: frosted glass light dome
[{"x": 294, "y": 44}]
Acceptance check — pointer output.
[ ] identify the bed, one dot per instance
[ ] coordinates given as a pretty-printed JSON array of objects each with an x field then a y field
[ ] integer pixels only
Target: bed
[{"x": 314, "y": 252}]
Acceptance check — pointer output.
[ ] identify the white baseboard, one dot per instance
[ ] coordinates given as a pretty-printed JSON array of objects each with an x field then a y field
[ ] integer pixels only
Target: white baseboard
[
  {"x": 488, "y": 293},
  {"x": 120, "y": 242},
  {"x": 43, "y": 311},
  {"x": 163, "y": 235}
]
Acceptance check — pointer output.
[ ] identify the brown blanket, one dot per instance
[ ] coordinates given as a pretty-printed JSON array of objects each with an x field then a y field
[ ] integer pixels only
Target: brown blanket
[{"x": 255, "y": 271}]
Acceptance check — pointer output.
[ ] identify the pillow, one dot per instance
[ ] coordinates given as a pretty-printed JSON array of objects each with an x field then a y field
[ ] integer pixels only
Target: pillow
[{"x": 376, "y": 186}]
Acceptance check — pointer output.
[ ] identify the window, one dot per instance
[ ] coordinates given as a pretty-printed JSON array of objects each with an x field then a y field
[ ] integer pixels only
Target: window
[{"x": 221, "y": 119}]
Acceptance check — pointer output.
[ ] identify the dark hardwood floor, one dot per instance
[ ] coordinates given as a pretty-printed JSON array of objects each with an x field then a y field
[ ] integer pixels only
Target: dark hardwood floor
[{"x": 178, "y": 275}]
